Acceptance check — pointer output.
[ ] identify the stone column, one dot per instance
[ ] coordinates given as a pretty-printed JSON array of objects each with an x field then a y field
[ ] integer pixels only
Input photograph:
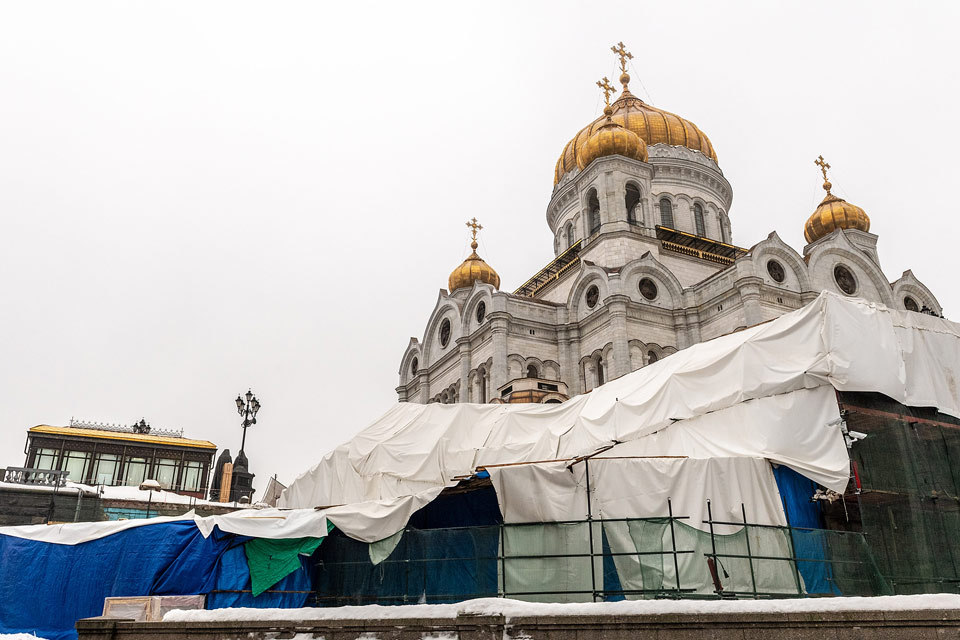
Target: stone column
[
  {"x": 692, "y": 317},
  {"x": 749, "y": 289},
  {"x": 567, "y": 366},
  {"x": 573, "y": 356},
  {"x": 617, "y": 308},
  {"x": 498, "y": 376},
  {"x": 424, "y": 387},
  {"x": 464, "y": 345}
]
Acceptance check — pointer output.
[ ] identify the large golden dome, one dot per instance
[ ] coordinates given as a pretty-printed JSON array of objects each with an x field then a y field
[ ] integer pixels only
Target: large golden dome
[
  {"x": 611, "y": 139},
  {"x": 833, "y": 213},
  {"x": 652, "y": 125},
  {"x": 473, "y": 268}
]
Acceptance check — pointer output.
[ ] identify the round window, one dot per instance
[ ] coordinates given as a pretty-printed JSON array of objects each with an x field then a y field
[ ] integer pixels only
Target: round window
[
  {"x": 910, "y": 304},
  {"x": 593, "y": 296},
  {"x": 845, "y": 279},
  {"x": 414, "y": 366},
  {"x": 648, "y": 289},
  {"x": 481, "y": 312},
  {"x": 775, "y": 269},
  {"x": 444, "y": 332}
]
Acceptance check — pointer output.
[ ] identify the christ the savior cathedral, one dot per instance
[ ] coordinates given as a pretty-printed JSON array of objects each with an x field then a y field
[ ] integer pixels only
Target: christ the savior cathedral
[{"x": 645, "y": 265}]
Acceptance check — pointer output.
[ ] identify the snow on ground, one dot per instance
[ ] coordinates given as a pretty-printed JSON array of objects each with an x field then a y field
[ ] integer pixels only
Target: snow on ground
[{"x": 516, "y": 608}]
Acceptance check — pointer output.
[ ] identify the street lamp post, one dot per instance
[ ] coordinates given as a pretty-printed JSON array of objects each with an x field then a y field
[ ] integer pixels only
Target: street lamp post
[{"x": 248, "y": 409}]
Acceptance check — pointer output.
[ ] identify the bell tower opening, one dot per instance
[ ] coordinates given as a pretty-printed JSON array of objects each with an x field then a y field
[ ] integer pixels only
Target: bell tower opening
[
  {"x": 593, "y": 212},
  {"x": 632, "y": 200}
]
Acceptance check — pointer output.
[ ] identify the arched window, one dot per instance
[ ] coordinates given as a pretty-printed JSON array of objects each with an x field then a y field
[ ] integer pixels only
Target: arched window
[
  {"x": 569, "y": 235},
  {"x": 651, "y": 357},
  {"x": 532, "y": 371},
  {"x": 632, "y": 200},
  {"x": 593, "y": 215},
  {"x": 666, "y": 213},
  {"x": 600, "y": 376},
  {"x": 698, "y": 220}
]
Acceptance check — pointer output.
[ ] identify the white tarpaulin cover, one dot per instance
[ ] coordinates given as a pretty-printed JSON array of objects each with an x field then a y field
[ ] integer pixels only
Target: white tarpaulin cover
[
  {"x": 362, "y": 521},
  {"x": 628, "y": 487},
  {"x": 764, "y": 392}
]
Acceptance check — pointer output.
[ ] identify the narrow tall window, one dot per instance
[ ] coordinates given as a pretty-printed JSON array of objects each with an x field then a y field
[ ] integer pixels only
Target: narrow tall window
[
  {"x": 106, "y": 470},
  {"x": 532, "y": 371},
  {"x": 666, "y": 213},
  {"x": 698, "y": 220},
  {"x": 632, "y": 200},
  {"x": 192, "y": 475},
  {"x": 165, "y": 472},
  {"x": 569, "y": 235},
  {"x": 594, "y": 204},
  {"x": 724, "y": 233},
  {"x": 600, "y": 377},
  {"x": 136, "y": 471},
  {"x": 482, "y": 385},
  {"x": 76, "y": 463}
]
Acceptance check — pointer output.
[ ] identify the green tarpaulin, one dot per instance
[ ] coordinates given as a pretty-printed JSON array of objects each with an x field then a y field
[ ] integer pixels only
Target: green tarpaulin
[{"x": 272, "y": 560}]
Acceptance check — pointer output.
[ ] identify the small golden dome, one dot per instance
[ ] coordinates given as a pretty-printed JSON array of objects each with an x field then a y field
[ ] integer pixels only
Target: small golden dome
[
  {"x": 651, "y": 125},
  {"x": 833, "y": 213},
  {"x": 473, "y": 268},
  {"x": 611, "y": 139}
]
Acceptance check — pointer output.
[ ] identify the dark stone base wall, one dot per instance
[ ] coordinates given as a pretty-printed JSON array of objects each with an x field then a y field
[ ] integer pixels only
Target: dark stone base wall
[
  {"x": 22, "y": 506},
  {"x": 848, "y": 625},
  {"x": 19, "y": 507}
]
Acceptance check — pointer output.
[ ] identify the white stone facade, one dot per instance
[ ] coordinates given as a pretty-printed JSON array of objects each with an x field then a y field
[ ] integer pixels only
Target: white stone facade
[{"x": 555, "y": 333}]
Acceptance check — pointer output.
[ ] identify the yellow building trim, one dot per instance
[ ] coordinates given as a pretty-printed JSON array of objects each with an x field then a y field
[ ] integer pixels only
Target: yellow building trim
[{"x": 141, "y": 438}]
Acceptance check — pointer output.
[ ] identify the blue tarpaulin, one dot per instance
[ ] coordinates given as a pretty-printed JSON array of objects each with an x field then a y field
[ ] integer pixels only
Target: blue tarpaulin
[
  {"x": 232, "y": 587},
  {"x": 801, "y": 511},
  {"x": 45, "y": 588}
]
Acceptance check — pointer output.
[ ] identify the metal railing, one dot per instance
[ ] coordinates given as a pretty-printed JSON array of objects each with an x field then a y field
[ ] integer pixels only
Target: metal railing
[{"x": 696, "y": 253}]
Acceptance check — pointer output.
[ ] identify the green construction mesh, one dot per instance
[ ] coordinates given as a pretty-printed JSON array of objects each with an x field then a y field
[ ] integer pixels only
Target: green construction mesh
[{"x": 910, "y": 473}]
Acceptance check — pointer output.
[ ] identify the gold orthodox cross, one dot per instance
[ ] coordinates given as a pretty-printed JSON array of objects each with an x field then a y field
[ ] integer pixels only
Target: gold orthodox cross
[
  {"x": 606, "y": 88},
  {"x": 474, "y": 227},
  {"x": 823, "y": 166},
  {"x": 623, "y": 54}
]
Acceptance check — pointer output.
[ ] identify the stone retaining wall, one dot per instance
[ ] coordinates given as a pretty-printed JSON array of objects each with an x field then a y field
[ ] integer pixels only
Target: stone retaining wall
[{"x": 829, "y": 625}]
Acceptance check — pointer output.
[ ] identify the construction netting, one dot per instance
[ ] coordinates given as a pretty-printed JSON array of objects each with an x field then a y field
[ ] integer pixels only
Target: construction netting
[
  {"x": 908, "y": 473},
  {"x": 596, "y": 560}
]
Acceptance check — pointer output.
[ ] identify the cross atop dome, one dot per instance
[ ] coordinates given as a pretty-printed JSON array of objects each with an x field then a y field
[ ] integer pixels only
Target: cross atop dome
[
  {"x": 474, "y": 227},
  {"x": 820, "y": 162},
  {"x": 606, "y": 88},
  {"x": 621, "y": 52}
]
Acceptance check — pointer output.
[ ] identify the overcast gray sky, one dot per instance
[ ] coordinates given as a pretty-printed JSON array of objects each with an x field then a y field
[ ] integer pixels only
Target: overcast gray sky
[{"x": 201, "y": 197}]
